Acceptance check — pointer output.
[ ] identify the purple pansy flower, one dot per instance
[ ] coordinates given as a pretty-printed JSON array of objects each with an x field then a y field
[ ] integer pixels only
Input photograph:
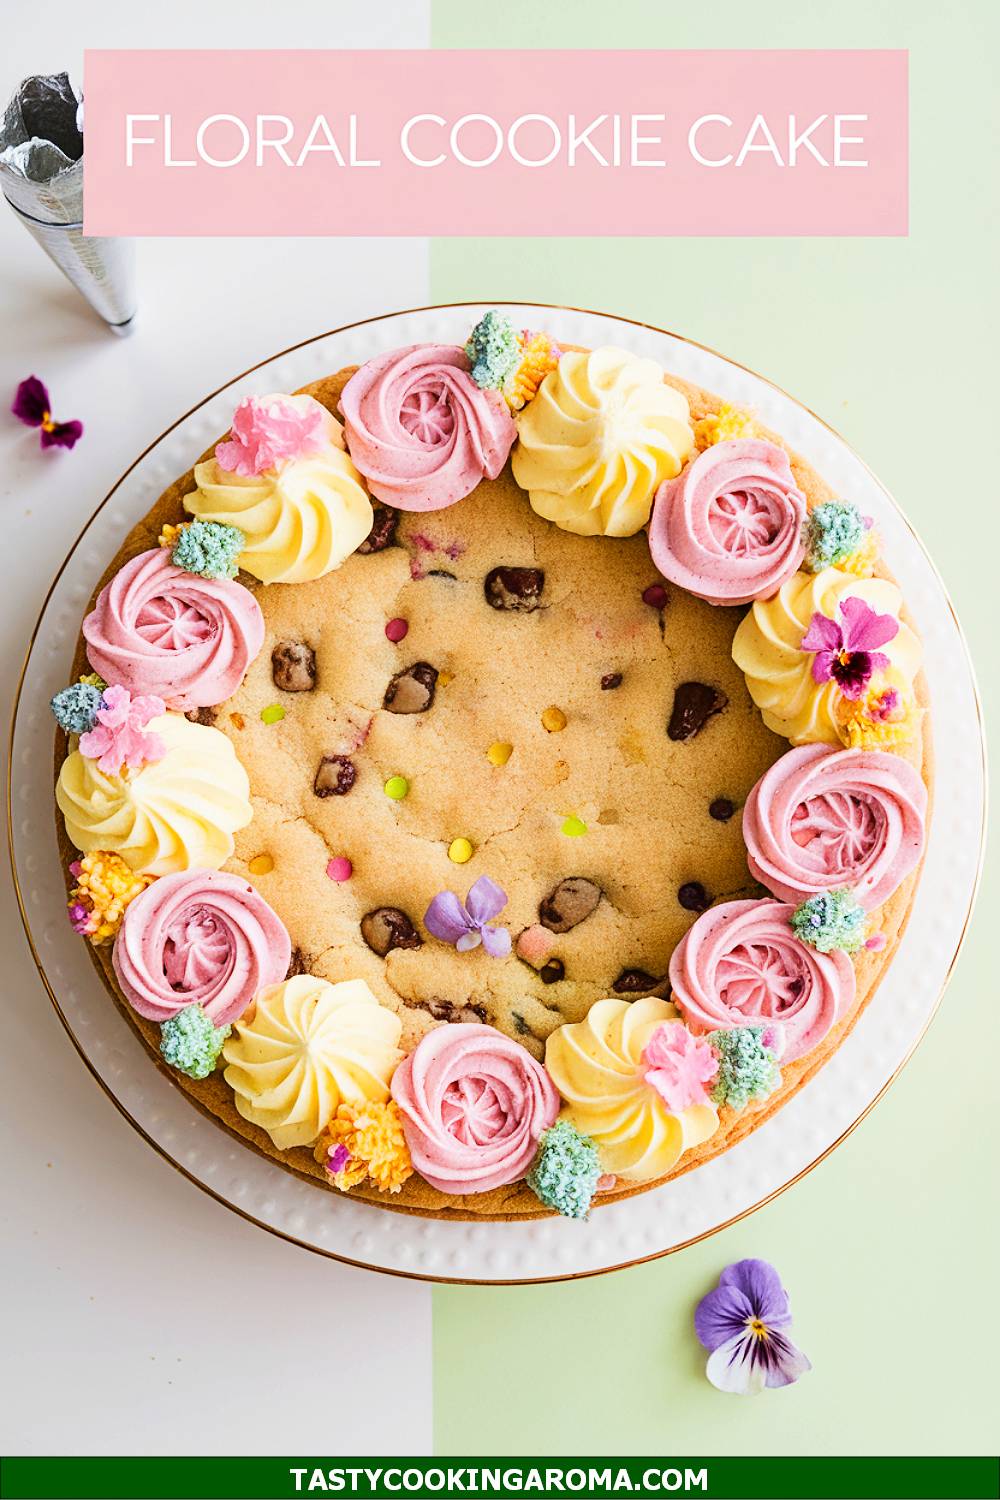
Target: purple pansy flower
[
  {"x": 846, "y": 651},
  {"x": 31, "y": 405},
  {"x": 465, "y": 923},
  {"x": 744, "y": 1324}
]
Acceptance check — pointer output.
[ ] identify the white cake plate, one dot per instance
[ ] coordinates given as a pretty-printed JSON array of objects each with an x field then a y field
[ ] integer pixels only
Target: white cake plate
[{"x": 655, "y": 1223}]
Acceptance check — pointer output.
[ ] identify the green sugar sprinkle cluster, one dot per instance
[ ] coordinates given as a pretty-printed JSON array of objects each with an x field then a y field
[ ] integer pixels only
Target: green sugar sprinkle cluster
[
  {"x": 209, "y": 549},
  {"x": 566, "y": 1170},
  {"x": 75, "y": 707},
  {"x": 833, "y": 530},
  {"x": 495, "y": 350},
  {"x": 190, "y": 1043},
  {"x": 747, "y": 1069},
  {"x": 833, "y": 919}
]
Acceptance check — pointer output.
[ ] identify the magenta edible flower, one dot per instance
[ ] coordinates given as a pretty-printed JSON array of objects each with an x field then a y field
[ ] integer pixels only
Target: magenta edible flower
[
  {"x": 338, "y": 1159},
  {"x": 268, "y": 431},
  {"x": 464, "y": 924},
  {"x": 678, "y": 1065},
  {"x": 845, "y": 651},
  {"x": 119, "y": 739},
  {"x": 744, "y": 1324},
  {"x": 31, "y": 405}
]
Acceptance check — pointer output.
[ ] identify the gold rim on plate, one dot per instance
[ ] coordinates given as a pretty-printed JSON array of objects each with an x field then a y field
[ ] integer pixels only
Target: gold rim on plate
[{"x": 475, "y": 1280}]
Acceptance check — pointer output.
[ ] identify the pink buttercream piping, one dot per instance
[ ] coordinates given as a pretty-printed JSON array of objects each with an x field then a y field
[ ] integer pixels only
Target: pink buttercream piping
[
  {"x": 157, "y": 629},
  {"x": 474, "y": 1104},
  {"x": 821, "y": 819},
  {"x": 741, "y": 964},
  {"x": 201, "y": 936},
  {"x": 420, "y": 430},
  {"x": 729, "y": 528}
]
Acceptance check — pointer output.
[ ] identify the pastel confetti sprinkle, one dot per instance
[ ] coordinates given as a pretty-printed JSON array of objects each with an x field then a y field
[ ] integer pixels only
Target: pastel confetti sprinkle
[
  {"x": 340, "y": 869},
  {"x": 876, "y": 942},
  {"x": 655, "y": 596},
  {"x": 396, "y": 630},
  {"x": 396, "y": 788},
  {"x": 261, "y": 864},
  {"x": 273, "y": 714},
  {"x": 499, "y": 753},
  {"x": 573, "y": 827},
  {"x": 553, "y": 719},
  {"x": 460, "y": 851}
]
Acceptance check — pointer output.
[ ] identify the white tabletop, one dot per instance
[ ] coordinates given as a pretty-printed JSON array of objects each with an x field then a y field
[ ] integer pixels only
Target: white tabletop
[{"x": 141, "y": 1316}]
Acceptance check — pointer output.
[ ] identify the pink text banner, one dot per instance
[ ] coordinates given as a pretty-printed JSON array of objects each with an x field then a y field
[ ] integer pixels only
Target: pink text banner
[{"x": 495, "y": 143}]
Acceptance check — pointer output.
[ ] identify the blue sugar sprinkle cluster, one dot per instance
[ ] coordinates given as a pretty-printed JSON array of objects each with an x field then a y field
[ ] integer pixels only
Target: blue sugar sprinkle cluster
[
  {"x": 190, "y": 1043},
  {"x": 75, "y": 707},
  {"x": 833, "y": 530},
  {"x": 747, "y": 1069},
  {"x": 495, "y": 350},
  {"x": 566, "y": 1170},
  {"x": 209, "y": 549},
  {"x": 830, "y": 920}
]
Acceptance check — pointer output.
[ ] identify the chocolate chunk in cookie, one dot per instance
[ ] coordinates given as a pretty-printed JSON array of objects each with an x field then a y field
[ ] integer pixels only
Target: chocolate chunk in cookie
[
  {"x": 553, "y": 971},
  {"x": 412, "y": 690},
  {"x": 634, "y": 982},
  {"x": 444, "y": 1010},
  {"x": 293, "y": 667},
  {"x": 693, "y": 896},
  {"x": 694, "y": 705},
  {"x": 202, "y": 715},
  {"x": 383, "y": 532},
  {"x": 514, "y": 588},
  {"x": 611, "y": 680},
  {"x": 386, "y": 928},
  {"x": 335, "y": 776},
  {"x": 297, "y": 964},
  {"x": 721, "y": 809},
  {"x": 569, "y": 904}
]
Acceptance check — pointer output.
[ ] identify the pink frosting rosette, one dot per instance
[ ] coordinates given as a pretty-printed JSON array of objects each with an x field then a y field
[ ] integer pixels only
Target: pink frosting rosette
[
  {"x": 200, "y": 937},
  {"x": 742, "y": 965},
  {"x": 474, "y": 1104},
  {"x": 729, "y": 528},
  {"x": 420, "y": 430},
  {"x": 186, "y": 639},
  {"x": 823, "y": 819}
]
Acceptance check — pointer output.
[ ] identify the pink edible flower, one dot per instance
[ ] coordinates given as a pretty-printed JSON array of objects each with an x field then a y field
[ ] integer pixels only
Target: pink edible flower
[
  {"x": 845, "y": 651},
  {"x": 268, "y": 431},
  {"x": 679, "y": 1064},
  {"x": 118, "y": 739}
]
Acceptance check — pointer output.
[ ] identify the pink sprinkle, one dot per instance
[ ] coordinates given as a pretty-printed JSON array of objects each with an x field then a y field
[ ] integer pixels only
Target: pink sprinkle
[
  {"x": 338, "y": 1159},
  {"x": 75, "y": 867},
  {"x": 655, "y": 596},
  {"x": 396, "y": 629},
  {"x": 606, "y": 1182},
  {"x": 876, "y": 942},
  {"x": 340, "y": 869}
]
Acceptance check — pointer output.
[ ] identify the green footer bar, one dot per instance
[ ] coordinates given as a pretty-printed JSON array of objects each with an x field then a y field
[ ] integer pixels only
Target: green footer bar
[{"x": 722, "y": 1478}]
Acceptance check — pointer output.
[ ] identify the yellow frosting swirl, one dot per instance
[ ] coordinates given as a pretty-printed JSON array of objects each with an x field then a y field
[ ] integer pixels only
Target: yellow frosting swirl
[
  {"x": 170, "y": 814},
  {"x": 300, "y": 520},
  {"x": 596, "y": 1064},
  {"x": 305, "y": 1048},
  {"x": 599, "y": 438},
  {"x": 766, "y": 647}
]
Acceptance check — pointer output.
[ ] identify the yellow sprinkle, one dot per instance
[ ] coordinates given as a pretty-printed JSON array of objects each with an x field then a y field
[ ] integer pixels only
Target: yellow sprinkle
[
  {"x": 444, "y": 678},
  {"x": 169, "y": 534},
  {"x": 261, "y": 864},
  {"x": 460, "y": 851},
  {"x": 553, "y": 719},
  {"x": 861, "y": 562},
  {"x": 499, "y": 753},
  {"x": 722, "y": 426}
]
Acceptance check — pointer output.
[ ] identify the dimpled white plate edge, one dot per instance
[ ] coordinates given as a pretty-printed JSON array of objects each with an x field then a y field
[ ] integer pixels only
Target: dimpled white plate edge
[{"x": 653, "y": 1223}]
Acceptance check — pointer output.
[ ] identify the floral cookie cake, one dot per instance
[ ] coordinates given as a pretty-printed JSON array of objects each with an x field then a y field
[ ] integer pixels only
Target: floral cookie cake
[{"x": 495, "y": 777}]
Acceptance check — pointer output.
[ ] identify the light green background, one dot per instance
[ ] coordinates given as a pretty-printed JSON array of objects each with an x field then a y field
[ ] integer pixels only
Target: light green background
[{"x": 889, "y": 1247}]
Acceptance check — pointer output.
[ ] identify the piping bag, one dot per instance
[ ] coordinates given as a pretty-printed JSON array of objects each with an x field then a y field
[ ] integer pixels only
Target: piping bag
[{"x": 41, "y": 173}]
